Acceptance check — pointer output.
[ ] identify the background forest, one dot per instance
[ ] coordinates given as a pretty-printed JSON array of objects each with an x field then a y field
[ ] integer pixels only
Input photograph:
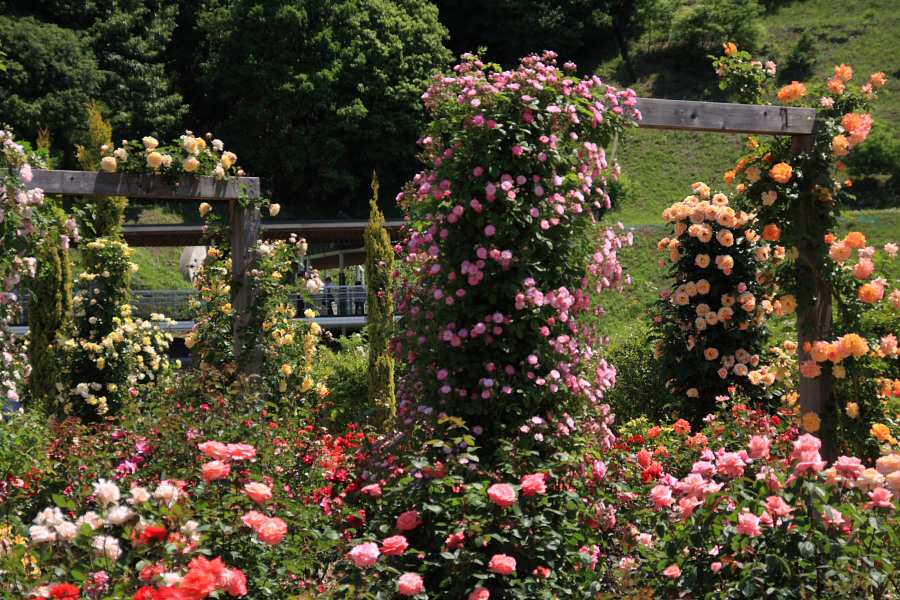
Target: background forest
[{"x": 314, "y": 94}]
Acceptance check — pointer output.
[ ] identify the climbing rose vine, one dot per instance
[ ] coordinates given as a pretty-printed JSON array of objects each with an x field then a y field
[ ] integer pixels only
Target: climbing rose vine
[{"x": 503, "y": 247}]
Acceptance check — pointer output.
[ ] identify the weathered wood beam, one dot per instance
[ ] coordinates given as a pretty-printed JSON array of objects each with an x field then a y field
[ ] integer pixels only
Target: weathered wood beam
[
  {"x": 720, "y": 117},
  {"x": 89, "y": 183},
  {"x": 244, "y": 238}
]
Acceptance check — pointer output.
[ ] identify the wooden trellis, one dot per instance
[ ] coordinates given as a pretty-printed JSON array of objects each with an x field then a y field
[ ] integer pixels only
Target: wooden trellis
[
  {"x": 813, "y": 323},
  {"x": 244, "y": 223}
]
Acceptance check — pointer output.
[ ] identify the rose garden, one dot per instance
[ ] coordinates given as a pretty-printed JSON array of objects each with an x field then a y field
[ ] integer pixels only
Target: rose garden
[{"x": 484, "y": 457}]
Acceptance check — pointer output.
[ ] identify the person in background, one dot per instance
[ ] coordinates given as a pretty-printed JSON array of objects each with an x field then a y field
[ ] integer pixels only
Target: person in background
[
  {"x": 329, "y": 297},
  {"x": 359, "y": 298}
]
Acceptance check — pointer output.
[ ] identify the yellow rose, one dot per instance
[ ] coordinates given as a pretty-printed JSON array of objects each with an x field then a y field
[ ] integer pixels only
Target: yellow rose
[
  {"x": 811, "y": 422},
  {"x": 287, "y": 369},
  {"x": 101, "y": 363},
  {"x": 205, "y": 208},
  {"x": 190, "y": 164},
  {"x": 274, "y": 209},
  {"x": 108, "y": 163},
  {"x": 154, "y": 160},
  {"x": 306, "y": 385},
  {"x": 852, "y": 410},
  {"x": 150, "y": 142}
]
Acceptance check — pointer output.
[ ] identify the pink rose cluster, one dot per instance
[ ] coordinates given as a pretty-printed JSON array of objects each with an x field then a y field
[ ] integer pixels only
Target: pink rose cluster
[{"x": 269, "y": 530}]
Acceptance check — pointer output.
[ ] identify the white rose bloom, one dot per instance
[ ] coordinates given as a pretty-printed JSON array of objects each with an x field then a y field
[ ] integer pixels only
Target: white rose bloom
[
  {"x": 49, "y": 516},
  {"x": 91, "y": 518},
  {"x": 41, "y": 535},
  {"x": 108, "y": 546},
  {"x": 167, "y": 493},
  {"x": 139, "y": 495},
  {"x": 274, "y": 209},
  {"x": 66, "y": 530},
  {"x": 119, "y": 515},
  {"x": 171, "y": 578},
  {"x": 150, "y": 142},
  {"x": 107, "y": 492}
]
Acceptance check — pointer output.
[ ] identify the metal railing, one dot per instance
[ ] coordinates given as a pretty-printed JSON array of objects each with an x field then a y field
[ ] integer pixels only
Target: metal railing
[{"x": 333, "y": 301}]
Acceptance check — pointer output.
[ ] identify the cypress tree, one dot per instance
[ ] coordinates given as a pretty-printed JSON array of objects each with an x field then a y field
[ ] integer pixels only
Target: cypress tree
[
  {"x": 51, "y": 300},
  {"x": 379, "y": 264}
]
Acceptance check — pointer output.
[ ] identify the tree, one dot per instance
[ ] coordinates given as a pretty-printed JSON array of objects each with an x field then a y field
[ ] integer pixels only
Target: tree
[
  {"x": 51, "y": 72},
  {"x": 379, "y": 267},
  {"x": 337, "y": 94},
  {"x": 702, "y": 27}
]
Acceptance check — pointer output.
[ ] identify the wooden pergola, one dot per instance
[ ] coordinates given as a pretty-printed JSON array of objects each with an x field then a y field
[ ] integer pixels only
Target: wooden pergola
[{"x": 813, "y": 323}]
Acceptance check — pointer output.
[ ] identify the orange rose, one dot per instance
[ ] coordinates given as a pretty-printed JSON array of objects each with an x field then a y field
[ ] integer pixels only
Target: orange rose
[
  {"x": 843, "y": 72},
  {"x": 878, "y": 80},
  {"x": 792, "y": 93},
  {"x": 836, "y": 87},
  {"x": 729, "y": 177},
  {"x": 870, "y": 293},
  {"x": 730, "y": 48},
  {"x": 781, "y": 172},
  {"x": 856, "y": 240},
  {"x": 771, "y": 232}
]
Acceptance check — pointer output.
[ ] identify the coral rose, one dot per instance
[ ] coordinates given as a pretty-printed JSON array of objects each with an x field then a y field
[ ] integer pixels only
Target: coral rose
[
  {"x": 215, "y": 470},
  {"x": 479, "y": 593},
  {"x": 673, "y": 571},
  {"x": 408, "y": 520},
  {"x": 236, "y": 582},
  {"x": 271, "y": 531},
  {"x": 781, "y": 172},
  {"x": 748, "y": 524},
  {"x": 533, "y": 484},
  {"x": 364, "y": 555},
  {"x": 240, "y": 451},
  {"x": 213, "y": 449},
  {"x": 771, "y": 232},
  {"x": 502, "y": 494},
  {"x": 410, "y": 584},
  {"x": 394, "y": 545},
  {"x": 502, "y": 564},
  {"x": 258, "y": 492}
]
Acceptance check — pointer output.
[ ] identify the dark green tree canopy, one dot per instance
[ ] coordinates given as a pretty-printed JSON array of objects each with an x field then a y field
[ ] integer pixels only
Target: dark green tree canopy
[{"x": 315, "y": 94}]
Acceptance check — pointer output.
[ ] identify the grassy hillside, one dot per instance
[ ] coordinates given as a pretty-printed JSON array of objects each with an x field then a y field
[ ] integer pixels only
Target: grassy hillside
[{"x": 659, "y": 166}]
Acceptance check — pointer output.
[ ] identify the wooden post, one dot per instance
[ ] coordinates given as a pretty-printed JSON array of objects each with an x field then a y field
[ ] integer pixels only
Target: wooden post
[
  {"x": 244, "y": 237},
  {"x": 815, "y": 321}
]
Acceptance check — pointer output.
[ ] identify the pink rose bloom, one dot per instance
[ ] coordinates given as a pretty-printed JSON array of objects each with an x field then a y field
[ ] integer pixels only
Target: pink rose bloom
[
  {"x": 661, "y": 495},
  {"x": 364, "y": 555},
  {"x": 881, "y": 498},
  {"x": 253, "y": 519},
  {"x": 480, "y": 593},
  {"x": 410, "y": 584},
  {"x": 730, "y": 464},
  {"x": 214, "y": 450},
  {"x": 394, "y": 545},
  {"x": 686, "y": 507},
  {"x": 408, "y": 520},
  {"x": 673, "y": 571},
  {"x": 759, "y": 446},
  {"x": 805, "y": 443},
  {"x": 716, "y": 566},
  {"x": 373, "y": 489},
  {"x": 215, "y": 470},
  {"x": 748, "y": 524},
  {"x": 258, "y": 492},
  {"x": 809, "y": 462},
  {"x": 502, "y": 564},
  {"x": 240, "y": 451},
  {"x": 849, "y": 467},
  {"x": 777, "y": 506},
  {"x": 833, "y": 518},
  {"x": 888, "y": 344},
  {"x": 502, "y": 494},
  {"x": 864, "y": 268},
  {"x": 272, "y": 531},
  {"x": 237, "y": 582},
  {"x": 533, "y": 484}
]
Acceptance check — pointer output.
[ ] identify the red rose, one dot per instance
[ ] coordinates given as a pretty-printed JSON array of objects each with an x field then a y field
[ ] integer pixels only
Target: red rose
[
  {"x": 153, "y": 533},
  {"x": 65, "y": 591}
]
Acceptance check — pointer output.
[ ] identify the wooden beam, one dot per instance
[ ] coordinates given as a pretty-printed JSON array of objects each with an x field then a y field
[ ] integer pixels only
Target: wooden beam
[
  {"x": 724, "y": 118},
  {"x": 132, "y": 185},
  {"x": 244, "y": 237}
]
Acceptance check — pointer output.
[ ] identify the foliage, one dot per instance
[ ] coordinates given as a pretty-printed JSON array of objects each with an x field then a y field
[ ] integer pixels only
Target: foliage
[
  {"x": 50, "y": 75},
  {"x": 710, "y": 328},
  {"x": 380, "y": 311},
  {"x": 98, "y": 216},
  {"x": 346, "y": 372},
  {"x": 640, "y": 389},
  {"x": 51, "y": 293},
  {"x": 20, "y": 433},
  {"x": 743, "y": 79},
  {"x": 702, "y": 26},
  {"x": 345, "y": 74}
]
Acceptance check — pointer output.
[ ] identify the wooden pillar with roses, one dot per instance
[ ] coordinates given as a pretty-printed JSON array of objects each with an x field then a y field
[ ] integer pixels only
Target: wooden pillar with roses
[{"x": 815, "y": 316}]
